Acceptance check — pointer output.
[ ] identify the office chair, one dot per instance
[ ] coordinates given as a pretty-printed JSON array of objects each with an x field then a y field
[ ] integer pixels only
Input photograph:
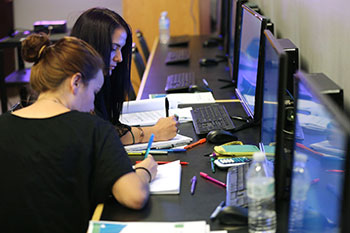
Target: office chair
[
  {"x": 19, "y": 78},
  {"x": 136, "y": 56},
  {"x": 143, "y": 44}
]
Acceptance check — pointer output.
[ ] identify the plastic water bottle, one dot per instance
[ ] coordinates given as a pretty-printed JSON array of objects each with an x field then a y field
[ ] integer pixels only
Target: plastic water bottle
[
  {"x": 300, "y": 187},
  {"x": 164, "y": 28},
  {"x": 261, "y": 196}
]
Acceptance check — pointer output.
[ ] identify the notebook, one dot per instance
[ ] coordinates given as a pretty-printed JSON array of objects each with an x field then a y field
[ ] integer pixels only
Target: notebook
[
  {"x": 168, "y": 179},
  {"x": 178, "y": 140}
]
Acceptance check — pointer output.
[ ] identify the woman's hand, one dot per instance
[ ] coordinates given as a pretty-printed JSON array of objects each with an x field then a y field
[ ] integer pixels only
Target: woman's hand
[
  {"x": 165, "y": 128},
  {"x": 150, "y": 165}
]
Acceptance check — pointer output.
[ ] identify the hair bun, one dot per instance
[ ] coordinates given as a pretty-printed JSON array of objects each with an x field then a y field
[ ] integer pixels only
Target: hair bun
[{"x": 33, "y": 46}]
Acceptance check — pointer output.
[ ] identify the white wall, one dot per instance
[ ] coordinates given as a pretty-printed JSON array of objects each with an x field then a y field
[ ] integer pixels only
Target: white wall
[
  {"x": 321, "y": 30},
  {"x": 26, "y": 12}
]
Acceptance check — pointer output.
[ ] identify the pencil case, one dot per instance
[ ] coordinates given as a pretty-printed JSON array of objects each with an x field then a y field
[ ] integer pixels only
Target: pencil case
[{"x": 235, "y": 149}]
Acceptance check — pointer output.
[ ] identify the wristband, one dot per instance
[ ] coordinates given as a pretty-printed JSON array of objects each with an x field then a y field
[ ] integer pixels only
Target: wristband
[{"x": 148, "y": 172}]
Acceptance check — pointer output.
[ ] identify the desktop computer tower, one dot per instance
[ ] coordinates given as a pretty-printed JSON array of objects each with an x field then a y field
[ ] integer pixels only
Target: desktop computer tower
[
  {"x": 293, "y": 62},
  {"x": 329, "y": 88}
]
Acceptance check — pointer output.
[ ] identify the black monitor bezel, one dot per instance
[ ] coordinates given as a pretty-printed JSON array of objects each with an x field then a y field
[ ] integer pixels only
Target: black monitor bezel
[
  {"x": 281, "y": 163},
  {"x": 233, "y": 61},
  {"x": 339, "y": 116},
  {"x": 256, "y": 116}
]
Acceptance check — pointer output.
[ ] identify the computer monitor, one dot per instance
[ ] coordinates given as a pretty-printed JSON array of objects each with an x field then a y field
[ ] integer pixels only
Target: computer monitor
[
  {"x": 234, "y": 40},
  {"x": 249, "y": 77},
  {"x": 325, "y": 150},
  {"x": 273, "y": 120}
]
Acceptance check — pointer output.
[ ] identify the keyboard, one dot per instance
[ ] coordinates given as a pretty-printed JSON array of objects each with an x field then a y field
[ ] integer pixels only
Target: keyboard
[
  {"x": 236, "y": 185},
  {"x": 179, "y": 82},
  {"x": 178, "y": 41},
  {"x": 210, "y": 117},
  {"x": 177, "y": 56}
]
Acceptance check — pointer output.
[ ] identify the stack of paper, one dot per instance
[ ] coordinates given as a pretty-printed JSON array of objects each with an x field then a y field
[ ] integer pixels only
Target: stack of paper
[
  {"x": 178, "y": 140},
  {"x": 148, "y": 227},
  {"x": 168, "y": 179}
]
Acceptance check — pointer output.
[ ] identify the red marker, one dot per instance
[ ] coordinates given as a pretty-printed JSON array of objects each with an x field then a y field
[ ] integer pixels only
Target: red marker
[
  {"x": 205, "y": 176},
  {"x": 201, "y": 141},
  {"x": 165, "y": 162}
]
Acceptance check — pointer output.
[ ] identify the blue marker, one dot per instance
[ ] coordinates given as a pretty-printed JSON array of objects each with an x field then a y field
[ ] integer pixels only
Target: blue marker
[
  {"x": 149, "y": 145},
  {"x": 173, "y": 150}
]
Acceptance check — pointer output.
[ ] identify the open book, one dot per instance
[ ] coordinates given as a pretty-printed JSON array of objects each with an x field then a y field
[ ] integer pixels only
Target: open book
[
  {"x": 148, "y": 111},
  {"x": 168, "y": 179},
  {"x": 178, "y": 140}
]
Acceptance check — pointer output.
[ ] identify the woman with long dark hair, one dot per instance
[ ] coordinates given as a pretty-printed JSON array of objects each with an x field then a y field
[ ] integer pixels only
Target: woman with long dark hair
[{"x": 111, "y": 36}]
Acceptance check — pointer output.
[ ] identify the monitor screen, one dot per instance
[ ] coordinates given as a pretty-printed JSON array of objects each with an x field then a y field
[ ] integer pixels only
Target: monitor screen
[
  {"x": 319, "y": 161},
  {"x": 250, "y": 67},
  {"x": 235, "y": 25}
]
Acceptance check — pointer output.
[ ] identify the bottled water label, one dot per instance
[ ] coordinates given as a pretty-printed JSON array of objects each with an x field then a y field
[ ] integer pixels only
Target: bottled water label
[{"x": 261, "y": 188}]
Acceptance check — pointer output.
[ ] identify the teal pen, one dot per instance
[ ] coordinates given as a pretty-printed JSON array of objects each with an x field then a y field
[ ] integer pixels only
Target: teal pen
[
  {"x": 212, "y": 164},
  {"x": 149, "y": 145},
  {"x": 173, "y": 150}
]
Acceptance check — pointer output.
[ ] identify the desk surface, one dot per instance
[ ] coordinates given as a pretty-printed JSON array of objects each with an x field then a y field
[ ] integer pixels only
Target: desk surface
[{"x": 187, "y": 207}]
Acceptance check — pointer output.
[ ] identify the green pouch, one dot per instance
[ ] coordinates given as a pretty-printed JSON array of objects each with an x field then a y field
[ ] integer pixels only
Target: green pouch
[{"x": 236, "y": 150}]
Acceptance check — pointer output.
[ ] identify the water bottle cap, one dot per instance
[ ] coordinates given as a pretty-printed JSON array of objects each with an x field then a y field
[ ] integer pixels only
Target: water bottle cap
[
  {"x": 164, "y": 13},
  {"x": 259, "y": 156}
]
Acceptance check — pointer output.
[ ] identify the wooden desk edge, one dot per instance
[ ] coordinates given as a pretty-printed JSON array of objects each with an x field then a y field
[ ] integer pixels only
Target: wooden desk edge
[{"x": 148, "y": 67}]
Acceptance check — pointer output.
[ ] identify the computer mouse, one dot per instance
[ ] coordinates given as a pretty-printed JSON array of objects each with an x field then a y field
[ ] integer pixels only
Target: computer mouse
[
  {"x": 233, "y": 215},
  {"x": 220, "y": 136},
  {"x": 210, "y": 43},
  {"x": 208, "y": 62}
]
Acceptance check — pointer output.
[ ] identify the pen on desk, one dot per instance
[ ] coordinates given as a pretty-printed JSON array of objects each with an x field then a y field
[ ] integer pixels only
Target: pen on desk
[
  {"x": 205, "y": 176},
  {"x": 166, "y": 107},
  {"x": 153, "y": 152},
  {"x": 193, "y": 184},
  {"x": 165, "y": 162},
  {"x": 217, "y": 210},
  {"x": 173, "y": 150},
  {"x": 212, "y": 164},
  {"x": 206, "y": 85},
  {"x": 149, "y": 145},
  {"x": 201, "y": 141}
]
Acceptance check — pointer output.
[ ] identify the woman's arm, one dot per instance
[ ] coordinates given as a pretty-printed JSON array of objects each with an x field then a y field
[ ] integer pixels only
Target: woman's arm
[
  {"x": 164, "y": 129},
  {"x": 132, "y": 189}
]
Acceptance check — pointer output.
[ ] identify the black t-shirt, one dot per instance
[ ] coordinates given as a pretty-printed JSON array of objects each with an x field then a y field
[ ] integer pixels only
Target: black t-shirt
[{"x": 54, "y": 171}]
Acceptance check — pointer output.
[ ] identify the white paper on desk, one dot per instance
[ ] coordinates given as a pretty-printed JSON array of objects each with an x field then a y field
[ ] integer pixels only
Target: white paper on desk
[
  {"x": 149, "y": 118},
  {"x": 190, "y": 98},
  {"x": 147, "y": 227},
  {"x": 327, "y": 148},
  {"x": 168, "y": 179},
  {"x": 178, "y": 140}
]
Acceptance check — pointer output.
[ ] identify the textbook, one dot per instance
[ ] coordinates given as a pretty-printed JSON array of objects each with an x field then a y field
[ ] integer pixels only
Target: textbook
[
  {"x": 168, "y": 179},
  {"x": 148, "y": 227},
  {"x": 148, "y": 111},
  {"x": 178, "y": 140}
]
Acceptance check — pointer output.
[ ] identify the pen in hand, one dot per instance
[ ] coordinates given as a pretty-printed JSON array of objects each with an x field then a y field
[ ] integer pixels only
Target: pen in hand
[
  {"x": 166, "y": 107},
  {"x": 149, "y": 145}
]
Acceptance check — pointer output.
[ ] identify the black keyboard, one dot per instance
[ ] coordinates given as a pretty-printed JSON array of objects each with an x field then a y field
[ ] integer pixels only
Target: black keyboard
[
  {"x": 210, "y": 117},
  {"x": 178, "y": 41},
  {"x": 177, "y": 56},
  {"x": 179, "y": 82},
  {"x": 236, "y": 185}
]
